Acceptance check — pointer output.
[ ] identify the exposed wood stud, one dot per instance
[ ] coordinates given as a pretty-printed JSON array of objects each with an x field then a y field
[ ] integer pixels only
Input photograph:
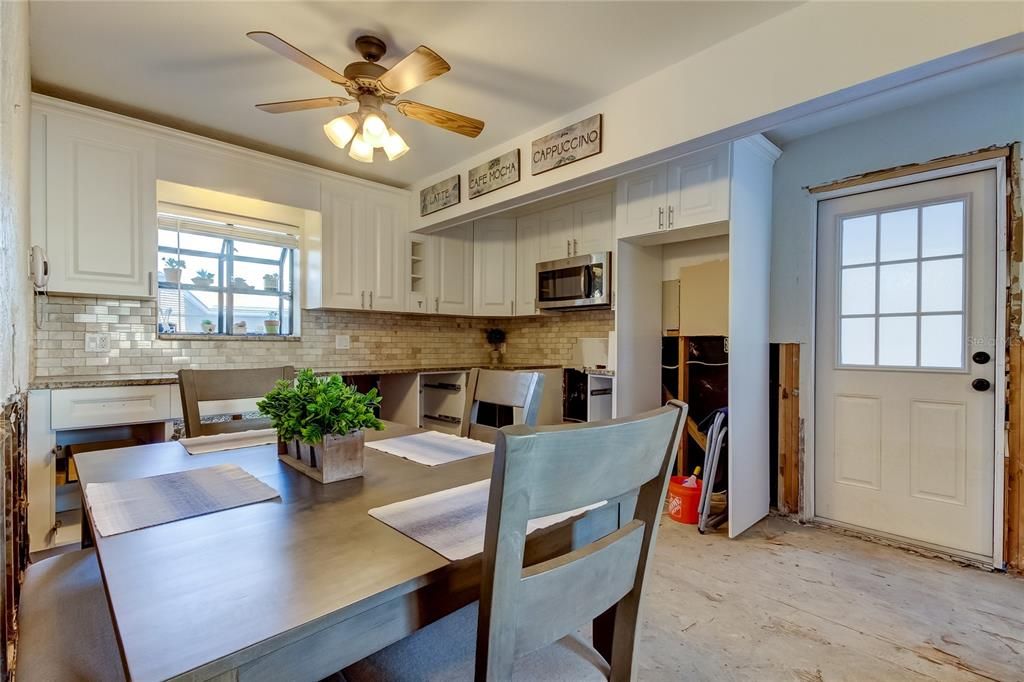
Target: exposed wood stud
[
  {"x": 790, "y": 450},
  {"x": 1013, "y": 509}
]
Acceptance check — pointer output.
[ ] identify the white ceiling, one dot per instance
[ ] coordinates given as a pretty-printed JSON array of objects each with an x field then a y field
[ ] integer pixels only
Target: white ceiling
[
  {"x": 514, "y": 65},
  {"x": 1008, "y": 68}
]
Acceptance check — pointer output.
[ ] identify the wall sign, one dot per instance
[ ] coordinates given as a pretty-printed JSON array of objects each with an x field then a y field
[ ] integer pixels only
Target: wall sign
[
  {"x": 567, "y": 145},
  {"x": 494, "y": 174},
  {"x": 439, "y": 195}
]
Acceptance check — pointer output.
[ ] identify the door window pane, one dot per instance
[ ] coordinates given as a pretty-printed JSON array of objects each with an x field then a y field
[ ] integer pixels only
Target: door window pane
[
  {"x": 942, "y": 229},
  {"x": 858, "y": 240},
  {"x": 858, "y": 289},
  {"x": 897, "y": 341},
  {"x": 857, "y": 341},
  {"x": 898, "y": 235},
  {"x": 942, "y": 285},
  {"x": 942, "y": 341},
  {"x": 897, "y": 288}
]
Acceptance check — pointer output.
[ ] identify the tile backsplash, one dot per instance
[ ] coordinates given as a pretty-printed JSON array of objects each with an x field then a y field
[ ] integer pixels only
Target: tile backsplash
[{"x": 378, "y": 340}]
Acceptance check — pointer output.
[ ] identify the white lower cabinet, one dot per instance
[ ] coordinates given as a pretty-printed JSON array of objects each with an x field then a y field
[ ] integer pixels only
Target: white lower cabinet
[
  {"x": 453, "y": 271},
  {"x": 94, "y": 205},
  {"x": 363, "y": 249},
  {"x": 494, "y": 267}
]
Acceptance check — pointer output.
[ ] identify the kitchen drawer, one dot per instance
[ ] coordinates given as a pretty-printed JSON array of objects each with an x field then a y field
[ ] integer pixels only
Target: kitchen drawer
[{"x": 79, "y": 408}]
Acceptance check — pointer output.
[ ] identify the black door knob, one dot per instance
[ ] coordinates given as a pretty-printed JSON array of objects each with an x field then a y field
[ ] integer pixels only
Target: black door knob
[
  {"x": 981, "y": 357},
  {"x": 981, "y": 384}
]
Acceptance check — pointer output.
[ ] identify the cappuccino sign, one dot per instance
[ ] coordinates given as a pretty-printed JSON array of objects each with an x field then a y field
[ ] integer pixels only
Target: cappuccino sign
[
  {"x": 439, "y": 195},
  {"x": 495, "y": 174},
  {"x": 567, "y": 145}
]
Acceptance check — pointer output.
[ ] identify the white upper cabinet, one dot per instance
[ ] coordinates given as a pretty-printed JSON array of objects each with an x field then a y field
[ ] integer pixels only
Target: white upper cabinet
[
  {"x": 556, "y": 233},
  {"x": 364, "y": 252},
  {"x": 698, "y": 188},
  {"x": 494, "y": 266},
  {"x": 593, "y": 225},
  {"x": 527, "y": 257},
  {"x": 98, "y": 206},
  {"x": 691, "y": 190},
  {"x": 453, "y": 281}
]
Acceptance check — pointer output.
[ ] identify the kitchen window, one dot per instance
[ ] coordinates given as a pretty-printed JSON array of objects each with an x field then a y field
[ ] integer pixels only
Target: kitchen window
[{"x": 220, "y": 277}]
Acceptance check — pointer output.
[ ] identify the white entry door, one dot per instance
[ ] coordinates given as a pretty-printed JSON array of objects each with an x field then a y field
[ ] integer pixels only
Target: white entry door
[{"x": 905, "y": 362}]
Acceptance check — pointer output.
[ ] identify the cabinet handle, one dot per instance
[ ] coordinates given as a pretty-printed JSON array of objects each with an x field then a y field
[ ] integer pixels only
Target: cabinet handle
[
  {"x": 670, "y": 213},
  {"x": 362, "y": 299},
  {"x": 149, "y": 279},
  {"x": 437, "y": 304},
  {"x": 371, "y": 300},
  {"x": 568, "y": 248},
  {"x": 575, "y": 248},
  {"x": 661, "y": 217}
]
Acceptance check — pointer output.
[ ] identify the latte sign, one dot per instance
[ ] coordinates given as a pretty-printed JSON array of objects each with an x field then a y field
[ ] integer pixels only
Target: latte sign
[
  {"x": 567, "y": 145},
  {"x": 440, "y": 195},
  {"x": 495, "y": 174}
]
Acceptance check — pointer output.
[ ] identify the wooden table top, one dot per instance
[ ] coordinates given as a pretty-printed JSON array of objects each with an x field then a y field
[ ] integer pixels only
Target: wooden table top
[{"x": 198, "y": 590}]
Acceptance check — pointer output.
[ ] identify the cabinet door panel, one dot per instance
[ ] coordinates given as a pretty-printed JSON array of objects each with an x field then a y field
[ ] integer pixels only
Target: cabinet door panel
[
  {"x": 343, "y": 264},
  {"x": 527, "y": 257},
  {"x": 100, "y": 208},
  {"x": 698, "y": 188},
  {"x": 556, "y": 233},
  {"x": 494, "y": 266},
  {"x": 641, "y": 203},
  {"x": 593, "y": 225},
  {"x": 454, "y": 295},
  {"x": 384, "y": 235}
]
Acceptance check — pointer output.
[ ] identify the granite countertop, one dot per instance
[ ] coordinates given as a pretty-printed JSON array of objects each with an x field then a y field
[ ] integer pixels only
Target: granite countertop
[{"x": 153, "y": 379}]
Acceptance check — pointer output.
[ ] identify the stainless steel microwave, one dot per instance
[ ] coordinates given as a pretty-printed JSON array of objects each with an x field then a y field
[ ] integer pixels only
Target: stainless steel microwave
[{"x": 577, "y": 282}]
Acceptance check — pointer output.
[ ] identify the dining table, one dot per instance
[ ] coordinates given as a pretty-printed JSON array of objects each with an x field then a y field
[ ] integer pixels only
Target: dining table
[{"x": 295, "y": 588}]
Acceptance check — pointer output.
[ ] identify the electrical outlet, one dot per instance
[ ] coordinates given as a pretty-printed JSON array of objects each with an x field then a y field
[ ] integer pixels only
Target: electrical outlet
[
  {"x": 342, "y": 342},
  {"x": 97, "y": 343}
]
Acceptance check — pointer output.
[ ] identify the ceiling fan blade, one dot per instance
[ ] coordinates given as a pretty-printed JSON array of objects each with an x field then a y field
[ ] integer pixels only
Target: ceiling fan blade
[
  {"x": 457, "y": 123},
  {"x": 302, "y": 104},
  {"x": 416, "y": 68},
  {"x": 289, "y": 51}
]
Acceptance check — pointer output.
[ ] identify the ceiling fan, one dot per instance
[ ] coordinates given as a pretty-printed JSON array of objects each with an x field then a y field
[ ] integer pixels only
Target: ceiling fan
[{"x": 371, "y": 86}]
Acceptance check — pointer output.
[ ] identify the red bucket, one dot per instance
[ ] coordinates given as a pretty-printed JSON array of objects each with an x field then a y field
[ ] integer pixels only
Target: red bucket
[{"x": 683, "y": 501}]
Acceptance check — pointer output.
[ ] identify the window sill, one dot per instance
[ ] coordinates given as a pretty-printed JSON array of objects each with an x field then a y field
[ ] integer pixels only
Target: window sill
[{"x": 273, "y": 338}]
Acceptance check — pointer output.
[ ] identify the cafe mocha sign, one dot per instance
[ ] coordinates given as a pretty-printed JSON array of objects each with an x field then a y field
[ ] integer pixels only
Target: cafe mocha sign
[
  {"x": 494, "y": 174},
  {"x": 567, "y": 145},
  {"x": 439, "y": 195}
]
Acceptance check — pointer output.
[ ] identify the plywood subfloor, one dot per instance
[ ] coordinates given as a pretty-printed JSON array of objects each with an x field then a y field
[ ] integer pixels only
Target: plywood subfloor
[{"x": 790, "y": 602}]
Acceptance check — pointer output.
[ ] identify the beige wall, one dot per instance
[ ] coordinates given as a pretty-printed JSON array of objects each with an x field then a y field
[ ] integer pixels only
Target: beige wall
[
  {"x": 378, "y": 340},
  {"x": 15, "y": 295}
]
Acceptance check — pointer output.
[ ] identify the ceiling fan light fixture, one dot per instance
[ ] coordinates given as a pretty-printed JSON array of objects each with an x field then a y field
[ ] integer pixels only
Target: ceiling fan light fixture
[
  {"x": 360, "y": 149},
  {"x": 340, "y": 130},
  {"x": 375, "y": 130},
  {"x": 395, "y": 147}
]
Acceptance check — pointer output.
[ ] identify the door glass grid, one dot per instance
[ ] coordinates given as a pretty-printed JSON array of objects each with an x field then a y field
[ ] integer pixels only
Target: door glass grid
[{"x": 901, "y": 288}]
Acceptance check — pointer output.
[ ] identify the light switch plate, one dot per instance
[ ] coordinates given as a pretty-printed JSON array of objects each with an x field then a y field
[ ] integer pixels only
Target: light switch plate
[
  {"x": 342, "y": 342},
  {"x": 97, "y": 343}
]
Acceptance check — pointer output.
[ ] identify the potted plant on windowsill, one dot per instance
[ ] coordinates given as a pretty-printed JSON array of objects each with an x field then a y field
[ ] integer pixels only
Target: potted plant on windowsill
[
  {"x": 208, "y": 326},
  {"x": 271, "y": 282},
  {"x": 172, "y": 270},
  {"x": 272, "y": 325},
  {"x": 322, "y": 422},
  {"x": 203, "y": 278}
]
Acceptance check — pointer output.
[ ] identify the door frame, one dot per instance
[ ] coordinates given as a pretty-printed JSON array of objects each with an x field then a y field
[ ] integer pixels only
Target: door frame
[{"x": 808, "y": 396}]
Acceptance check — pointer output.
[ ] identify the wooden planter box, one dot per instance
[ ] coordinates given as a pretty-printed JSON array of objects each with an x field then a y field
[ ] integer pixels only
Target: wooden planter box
[{"x": 336, "y": 458}]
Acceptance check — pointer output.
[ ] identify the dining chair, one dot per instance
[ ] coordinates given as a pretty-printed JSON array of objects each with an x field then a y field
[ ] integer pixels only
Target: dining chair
[
  {"x": 504, "y": 388},
  {"x": 525, "y": 626},
  {"x": 64, "y": 626},
  {"x": 226, "y": 391}
]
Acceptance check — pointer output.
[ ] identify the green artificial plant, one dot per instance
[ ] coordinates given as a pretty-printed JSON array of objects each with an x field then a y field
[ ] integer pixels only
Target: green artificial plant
[{"x": 317, "y": 406}]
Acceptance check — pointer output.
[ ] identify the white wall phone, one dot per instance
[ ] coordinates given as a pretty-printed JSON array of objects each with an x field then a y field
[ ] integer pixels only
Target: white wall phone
[{"x": 39, "y": 268}]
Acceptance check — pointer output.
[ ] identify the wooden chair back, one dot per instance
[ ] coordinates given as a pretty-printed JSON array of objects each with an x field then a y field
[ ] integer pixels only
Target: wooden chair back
[
  {"x": 551, "y": 470},
  {"x": 500, "y": 387},
  {"x": 225, "y": 385}
]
